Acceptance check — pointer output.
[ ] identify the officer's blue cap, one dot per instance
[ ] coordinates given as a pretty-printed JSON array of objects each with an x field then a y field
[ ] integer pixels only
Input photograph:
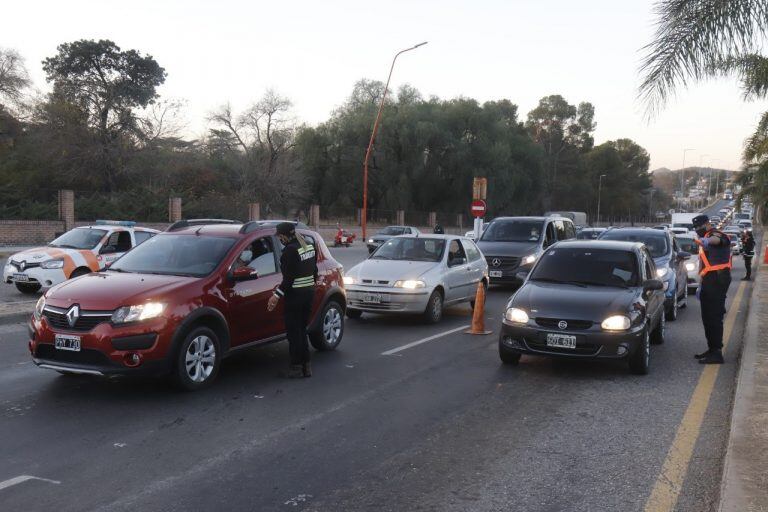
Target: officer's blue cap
[{"x": 699, "y": 220}]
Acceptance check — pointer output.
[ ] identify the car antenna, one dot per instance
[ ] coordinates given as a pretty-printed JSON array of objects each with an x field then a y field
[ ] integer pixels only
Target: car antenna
[{"x": 197, "y": 231}]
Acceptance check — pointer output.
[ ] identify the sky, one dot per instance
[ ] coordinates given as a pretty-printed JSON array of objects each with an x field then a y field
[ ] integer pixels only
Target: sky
[{"x": 314, "y": 51}]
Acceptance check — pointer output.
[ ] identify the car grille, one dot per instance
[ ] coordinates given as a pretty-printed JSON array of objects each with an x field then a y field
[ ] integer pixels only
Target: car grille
[
  {"x": 57, "y": 318},
  {"x": 86, "y": 356},
  {"x": 373, "y": 282},
  {"x": 17, "y": 265},
  {"x": 371, "y": 307},
  {"x": 505, "y": 262},
  {"x": 573, "y": 325}
]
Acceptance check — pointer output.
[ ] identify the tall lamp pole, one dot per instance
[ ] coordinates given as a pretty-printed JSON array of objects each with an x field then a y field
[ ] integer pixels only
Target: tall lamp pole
[
  {"x": 682, "y": 176},
  {"x": 701, "y": 167},
  {"x": 364, "y": 214},
  {"x": 599, "y": 193}
]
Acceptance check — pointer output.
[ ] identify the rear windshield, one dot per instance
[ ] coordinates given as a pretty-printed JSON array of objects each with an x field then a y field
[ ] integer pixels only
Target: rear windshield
[
  {"x": 656, "y": 242},
  {"x": 181, "y": 255},
  {"x": 588, "y": 234},
  {"x": 79, "y": 238},
  {"x": 587, "y": 267},
  {"x": 513, "y": 230}
]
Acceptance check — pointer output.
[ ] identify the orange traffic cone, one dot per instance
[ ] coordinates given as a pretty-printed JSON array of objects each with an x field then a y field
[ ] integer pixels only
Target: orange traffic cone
[{"x": 478, "y": 316}]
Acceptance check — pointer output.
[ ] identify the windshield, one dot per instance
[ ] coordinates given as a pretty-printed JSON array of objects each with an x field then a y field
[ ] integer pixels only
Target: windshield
[
  {"x": 411, "y": 249},
  {"x": 588, "y": 234},
  {"x": 587, "y": 267},
  {"x": 687, "y": 245},
  {"x": 182, "y": 255},
  {"x": 79, "y": 238},
  {"x": 655, "y": 241},
  {"x": 392, "y": 231},
  {"x": 513, "y": 231}
]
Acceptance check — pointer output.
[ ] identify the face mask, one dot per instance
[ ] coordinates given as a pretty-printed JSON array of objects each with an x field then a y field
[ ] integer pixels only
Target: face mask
[{"x": 701, "y": 231}]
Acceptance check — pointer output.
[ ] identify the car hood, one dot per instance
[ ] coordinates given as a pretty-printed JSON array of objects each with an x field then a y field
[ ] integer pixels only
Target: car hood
[
  {"x": 551, "y": 300},
  {"x": 391, "y": 270},
  {"x": 110, "y": 290},
  {"x": 40, "y": 254},
  {"x": 519, "y": 249}
]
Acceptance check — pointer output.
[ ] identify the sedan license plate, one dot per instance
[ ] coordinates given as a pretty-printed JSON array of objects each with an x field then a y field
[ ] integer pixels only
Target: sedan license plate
[
  {"x": 495, "y": 273},
  {"x": 561, "y": 340},
  {"x": 67, "y": 342},
  {"x": 372, "y": 298},
  {"x": 22, "y": 278}
]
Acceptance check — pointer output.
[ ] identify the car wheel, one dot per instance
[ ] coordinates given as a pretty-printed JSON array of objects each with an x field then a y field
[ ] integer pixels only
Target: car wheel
[
  {"x": 639, "y": 362},
  {"x": 657, "y": 336},
  {"x": 28, "y": 288},
  {"x": 79, "y": 272},
  {"x": 331, "y": 330},
  {"x": 354, "y": 313},
  {"x": 671, "y": 313},
  {"x": 682, "y": 302},
  {"x": 507, "y": 356},
  {"x": 434, "y": 312},
  {"x": 198, "y": 359}
]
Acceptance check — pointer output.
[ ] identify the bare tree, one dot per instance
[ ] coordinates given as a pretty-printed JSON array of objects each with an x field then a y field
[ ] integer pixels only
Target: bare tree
[{"x": 13, "y": 76}]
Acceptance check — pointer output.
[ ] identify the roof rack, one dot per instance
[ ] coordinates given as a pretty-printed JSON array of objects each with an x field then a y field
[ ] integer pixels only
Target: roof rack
[{"x": 185, "y": 223}]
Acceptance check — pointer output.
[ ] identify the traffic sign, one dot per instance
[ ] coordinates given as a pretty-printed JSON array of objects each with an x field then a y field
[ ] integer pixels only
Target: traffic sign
[{"x": 478, "y": 208}]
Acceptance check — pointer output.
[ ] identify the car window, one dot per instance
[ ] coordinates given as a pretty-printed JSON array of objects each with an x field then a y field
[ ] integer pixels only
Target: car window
[
  {"x": 570, "y": 231},
  {"x": 688, "y": 245},
  {"x": 411, "y": 249},
  {"x": 473, "y": 253},
  {"x": 512, "y": 230},
  {"x": 142, "y": 236},
  {"x": 657, "y": 242},
  {"x": 588, "y": 266},
  {"x": 549, "y": 238},
  {"x": 560, "y": 229},
  {"x": 392, "y": 231},
  {"x": 650, "y": 266},
  {"x": 79, "y": 238},
  {"x": 260, "y": 256},
  {"x": 184, "y": 255},
  {"x": 119, "y": 241},
  {"x": 456, "y": 252}
]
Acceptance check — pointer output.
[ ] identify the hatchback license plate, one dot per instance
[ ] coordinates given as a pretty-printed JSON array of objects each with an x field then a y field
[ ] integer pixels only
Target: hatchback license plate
[
  {"x": 561, "y": 340},
  {"x": 67, "y": 342},
  {"x": 372, "y": 298},
  {"x": 21, "y": 278},
  {"x": 495, "y": 273}
]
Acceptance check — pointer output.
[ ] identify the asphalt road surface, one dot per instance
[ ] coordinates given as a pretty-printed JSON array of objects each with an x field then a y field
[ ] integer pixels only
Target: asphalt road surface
[{"x": 439, "y": 426}]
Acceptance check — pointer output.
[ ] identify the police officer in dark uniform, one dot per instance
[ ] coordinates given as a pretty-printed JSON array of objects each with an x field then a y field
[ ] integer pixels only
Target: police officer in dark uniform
[
  {"x": 298, "y": 264},
  {"x": 715, "y": 271},
  {"x": 748, "y": 251}
]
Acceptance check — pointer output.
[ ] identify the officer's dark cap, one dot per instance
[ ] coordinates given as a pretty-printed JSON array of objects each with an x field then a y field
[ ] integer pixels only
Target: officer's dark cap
[
  {"x": 700, "y": 220},
  {"x": 286, "y": 229}
]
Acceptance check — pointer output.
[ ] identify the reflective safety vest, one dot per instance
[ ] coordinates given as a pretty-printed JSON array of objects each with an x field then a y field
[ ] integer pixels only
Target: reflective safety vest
[{"x": 715, "y": 257}]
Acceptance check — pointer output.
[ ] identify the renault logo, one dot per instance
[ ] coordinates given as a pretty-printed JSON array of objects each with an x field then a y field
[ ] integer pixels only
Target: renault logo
[
  {"x": 496, "y": 262},
  {"x": 72, "y": 315},
  {"x": 22, "y": 265},
  {"x": 562, "y": 324}
]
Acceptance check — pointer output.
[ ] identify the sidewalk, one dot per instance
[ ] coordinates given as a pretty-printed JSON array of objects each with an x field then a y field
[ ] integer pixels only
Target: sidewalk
[{"x": 745, "y": 473}]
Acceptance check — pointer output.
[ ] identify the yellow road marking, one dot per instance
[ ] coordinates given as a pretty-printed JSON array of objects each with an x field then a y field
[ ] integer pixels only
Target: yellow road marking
[{"x": 668, "y": 485}]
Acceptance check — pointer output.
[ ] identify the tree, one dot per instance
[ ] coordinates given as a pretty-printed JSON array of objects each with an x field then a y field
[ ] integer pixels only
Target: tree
[{"x": 13, "y": 77}]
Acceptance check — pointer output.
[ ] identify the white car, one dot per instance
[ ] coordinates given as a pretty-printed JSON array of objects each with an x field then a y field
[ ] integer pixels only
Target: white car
[
  {"x": 75, "y": 253},
  {"x": 375, "y": 241},
  {"x": 416, "y": 274},
  {"x": 687, "y": 243}
]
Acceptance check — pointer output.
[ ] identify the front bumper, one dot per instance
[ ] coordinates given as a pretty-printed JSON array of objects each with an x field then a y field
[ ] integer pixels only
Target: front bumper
[
  {"x": 592, "y": 343},
  {"x": 34, "y": 276},
  {"x": 509, "y": 276},
  {"x": 375, "y": 299}
]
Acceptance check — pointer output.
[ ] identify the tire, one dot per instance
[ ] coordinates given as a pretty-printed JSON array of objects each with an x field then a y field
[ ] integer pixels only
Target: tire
[
  {"x": 671, "y": 313},
  {"x": 434, "y": 311},
  {"x": 79, "y": 272},
  {"x": 472, "y": 302},
  {"x": 682, "y": 301},
  {"x": 331, "y": 329},
  {"x": 28, "y": 288},
  {"x": 355, "y": 314},
  {"x": 639, "y": 362},
  {"x": 658, "y": 334},
  {"x": 198, "y": 359},
  {"x": 509, "y": 357}
]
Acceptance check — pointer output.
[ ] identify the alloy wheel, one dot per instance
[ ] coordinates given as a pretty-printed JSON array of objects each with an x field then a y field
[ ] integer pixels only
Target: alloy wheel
[
  {"x": 200, "y": 358},
  {"x": 332, "y": 326}
]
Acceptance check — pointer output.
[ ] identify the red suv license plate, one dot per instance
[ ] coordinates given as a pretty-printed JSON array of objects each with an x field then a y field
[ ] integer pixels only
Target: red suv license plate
[{"x": 67, "y": 342}]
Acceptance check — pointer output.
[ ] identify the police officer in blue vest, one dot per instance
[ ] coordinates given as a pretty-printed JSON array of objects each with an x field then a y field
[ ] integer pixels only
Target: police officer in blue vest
[{"x": 715, "y": 271}]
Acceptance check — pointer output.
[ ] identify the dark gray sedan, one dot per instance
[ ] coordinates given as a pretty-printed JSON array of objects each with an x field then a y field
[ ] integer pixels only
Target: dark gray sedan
[{"x": 587, "y": 300}]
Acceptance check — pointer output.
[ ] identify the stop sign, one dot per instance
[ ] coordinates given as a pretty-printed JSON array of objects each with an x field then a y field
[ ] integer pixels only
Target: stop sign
[{"x": 478, "y": 208}]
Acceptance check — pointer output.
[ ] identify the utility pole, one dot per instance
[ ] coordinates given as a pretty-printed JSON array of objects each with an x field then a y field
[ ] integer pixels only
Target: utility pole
[{"x": 682, "y": 179}]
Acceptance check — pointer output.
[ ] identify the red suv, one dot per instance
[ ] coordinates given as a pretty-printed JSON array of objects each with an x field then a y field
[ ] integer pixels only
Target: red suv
[{"x": 180, "y": 302}]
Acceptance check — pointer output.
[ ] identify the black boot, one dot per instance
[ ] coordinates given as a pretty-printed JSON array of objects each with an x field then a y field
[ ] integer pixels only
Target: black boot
[
  {"x": 714, "y": 357},
  {"x": 295, "y": 371},
  {"x": 747, "y": 278},
  {"x": 702, "y": 355},
  {"x": 307, "y": 369}
]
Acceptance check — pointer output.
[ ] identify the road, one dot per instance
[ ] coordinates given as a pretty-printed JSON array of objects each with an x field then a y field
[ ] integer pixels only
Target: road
[{"x": 439, "y": 426}]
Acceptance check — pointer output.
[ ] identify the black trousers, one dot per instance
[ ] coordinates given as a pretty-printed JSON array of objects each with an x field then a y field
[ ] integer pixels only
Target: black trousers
[
  {"x": 298, "y": 308},
  {"x": 714, "y": 288},
  {"x": 748, "y": 265}
]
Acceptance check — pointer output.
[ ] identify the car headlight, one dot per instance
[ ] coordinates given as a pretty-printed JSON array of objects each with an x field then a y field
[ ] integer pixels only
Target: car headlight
[
  {"x": 516, "y": 315},
  {"x": 616, "y": 323},
  {"x": 137, "y": 313},
  {"x": 690, "y": 267},
  {"x": 410, "y": 284},
  {"x": 370, "y": 240},
  {"x": 39, "y": 307},
  {"x": 52, "y": 264},
  {"x": 529, "y": 259},
  {"x": 349, "y": 280},
  {"x": 661, "y": 272}
]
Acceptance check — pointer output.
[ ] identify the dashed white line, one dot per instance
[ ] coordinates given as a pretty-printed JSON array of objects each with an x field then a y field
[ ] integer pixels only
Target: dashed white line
[
  {"x": 23, "y": 478},
  {"x": 423, "y": 340}
]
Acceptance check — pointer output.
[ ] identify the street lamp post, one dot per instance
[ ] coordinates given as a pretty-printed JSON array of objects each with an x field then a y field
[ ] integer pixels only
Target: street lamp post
[
  {"x": 364, "y": 213},
  {"x": 599, "y": 193},
  {"x": 682, "y": 180}
]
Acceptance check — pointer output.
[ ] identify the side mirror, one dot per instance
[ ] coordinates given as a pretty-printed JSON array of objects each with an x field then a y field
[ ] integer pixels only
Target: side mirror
[
  {"x": 244, "y": 274},
  {"x": 684, "y": 255},
  {"x": 653, "y": 284}
]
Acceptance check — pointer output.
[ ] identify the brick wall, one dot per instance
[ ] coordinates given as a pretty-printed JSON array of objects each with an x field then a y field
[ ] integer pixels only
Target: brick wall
[{"x": 29, "y": 232}]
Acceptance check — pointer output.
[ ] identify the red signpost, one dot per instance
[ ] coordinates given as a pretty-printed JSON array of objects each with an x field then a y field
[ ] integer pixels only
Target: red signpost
[{"x": 478, "y": 208}]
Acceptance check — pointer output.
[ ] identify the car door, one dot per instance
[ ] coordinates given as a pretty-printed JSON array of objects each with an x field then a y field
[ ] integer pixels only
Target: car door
[
  {"x": 477, "y": 264},
  {"x": 654, "y": 298},
  {"x": 458, "y": 274},
  {"x": 679, "y": 263}
]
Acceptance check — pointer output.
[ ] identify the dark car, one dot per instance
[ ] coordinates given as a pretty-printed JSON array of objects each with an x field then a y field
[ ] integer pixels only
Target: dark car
[
  {"x": 180, "y": 302},
  {"x": 590, "y": 233},
  {"x": 587, "y": 300},
  {"x": 386, "y": 233},
  {"x": 511, "y": 245},
  {"x": 669, "y": 259}
]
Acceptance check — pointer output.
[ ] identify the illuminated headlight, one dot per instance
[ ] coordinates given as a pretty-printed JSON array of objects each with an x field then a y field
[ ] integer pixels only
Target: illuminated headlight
[
  {"x": 529, "y": 259},
  {"x": 137, "y": 313},
  {"x": 616, "y": 323},
  {"x": 690, "y": 267},
  {"x": 410, "y": 284},
  {"x": 661, "y": 272},
  {"x": 370, "y": 240},
  {"x": 39, "y": 307},
  {"x": 52, "y": 264},
  {"x": 516, "y": 315},
  {"x": 349, "y": 280}
]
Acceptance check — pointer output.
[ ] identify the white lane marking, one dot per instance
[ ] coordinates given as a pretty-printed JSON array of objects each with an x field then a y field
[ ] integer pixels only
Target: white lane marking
[
  {"x": 423, "y": 340},
  {"x": 23, "y": 478}
]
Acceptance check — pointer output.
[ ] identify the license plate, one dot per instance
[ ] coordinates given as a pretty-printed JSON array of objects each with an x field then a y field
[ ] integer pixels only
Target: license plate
[
  {"x": 67, "y": 342},
  {"x": 495, "y": 273},
  {"x": 21, "y": 277},
  {"x": 561, "y": 340},
  {"x": 372, "y": 298}
]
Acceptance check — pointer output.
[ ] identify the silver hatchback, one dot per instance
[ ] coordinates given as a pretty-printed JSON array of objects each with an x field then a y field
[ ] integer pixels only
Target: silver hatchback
[{"x": 416, "y": 274}]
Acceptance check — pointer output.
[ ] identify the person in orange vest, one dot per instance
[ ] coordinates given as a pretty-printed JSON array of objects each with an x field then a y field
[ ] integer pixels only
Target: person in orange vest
[{"x": 715, "y": 271}]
